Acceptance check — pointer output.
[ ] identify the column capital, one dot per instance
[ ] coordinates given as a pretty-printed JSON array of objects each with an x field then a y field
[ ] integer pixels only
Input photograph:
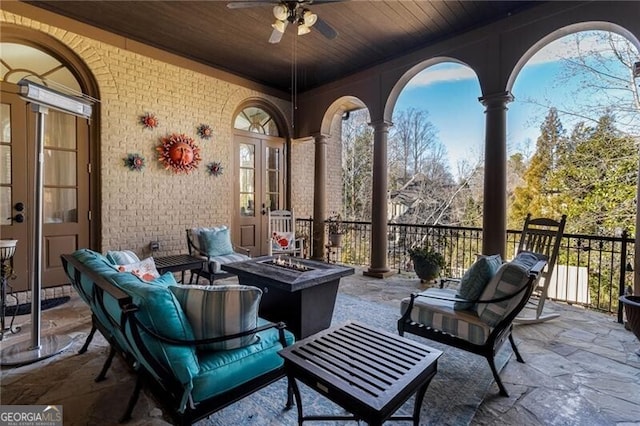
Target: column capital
[
  {"x": 381, "y": 124},
  {"x": 496, "y": 100},
  {"x": 320, "y": 137}
]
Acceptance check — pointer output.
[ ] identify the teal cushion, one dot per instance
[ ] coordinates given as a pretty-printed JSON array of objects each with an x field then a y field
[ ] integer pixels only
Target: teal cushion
[
  {"x": 216, "y": 242},
  {"x": 108, "y": 312},
  {"x": 160, "y": 312},
  {"x": 95, "y": 261},
  {"x": 224, "y": 370},
  {"x": 476, "y": 279},
  {"x": 123, "y": 257},
  {"x": 216, "y": 311},
  {"x": 165, "y": 280},
  {"x": 85, "y": 254}
]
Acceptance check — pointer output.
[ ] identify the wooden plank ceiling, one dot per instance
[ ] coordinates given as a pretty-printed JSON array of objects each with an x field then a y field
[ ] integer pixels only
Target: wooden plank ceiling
[{"x": 236, "y": 40}]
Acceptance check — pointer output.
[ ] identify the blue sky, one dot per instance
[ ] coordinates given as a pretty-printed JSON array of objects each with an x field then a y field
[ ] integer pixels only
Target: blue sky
[{"x": 449, "y": 92}]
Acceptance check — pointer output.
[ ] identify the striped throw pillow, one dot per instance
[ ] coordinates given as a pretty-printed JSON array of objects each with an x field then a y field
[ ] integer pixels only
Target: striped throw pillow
[
  {"x": 221, "y": 310},
  {"x": 509, "y": 279}
]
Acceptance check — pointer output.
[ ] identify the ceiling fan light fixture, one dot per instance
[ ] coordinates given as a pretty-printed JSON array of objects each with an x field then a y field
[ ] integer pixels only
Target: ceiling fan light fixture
[
  {"x": 309, "y": 18},
  {"x": 303, "y": 29},
  {"x": 280, "y": 12},
  {"x": 279, "y": 25}
]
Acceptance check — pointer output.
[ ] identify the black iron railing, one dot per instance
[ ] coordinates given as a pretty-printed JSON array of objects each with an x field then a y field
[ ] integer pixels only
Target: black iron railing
[{"x": 591, "y": 271}]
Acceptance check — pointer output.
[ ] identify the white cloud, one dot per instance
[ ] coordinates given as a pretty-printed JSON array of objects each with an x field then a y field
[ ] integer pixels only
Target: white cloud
[
  {"x": 564, "y": 47},
  {"x": 441, "y": 74}
]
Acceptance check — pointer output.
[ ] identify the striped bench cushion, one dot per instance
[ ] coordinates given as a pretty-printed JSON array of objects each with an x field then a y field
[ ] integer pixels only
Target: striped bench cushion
[{"x": 441, "y": 315}]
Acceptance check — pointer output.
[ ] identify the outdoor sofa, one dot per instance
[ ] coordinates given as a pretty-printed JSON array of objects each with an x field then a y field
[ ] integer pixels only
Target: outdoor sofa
[{"x": 146, "y": 323}]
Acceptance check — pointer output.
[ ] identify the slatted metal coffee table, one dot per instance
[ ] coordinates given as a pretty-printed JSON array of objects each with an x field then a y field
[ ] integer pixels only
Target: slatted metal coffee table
[
  {"x": 368, "y": 372},
  {"x": 179, "y": 263}
]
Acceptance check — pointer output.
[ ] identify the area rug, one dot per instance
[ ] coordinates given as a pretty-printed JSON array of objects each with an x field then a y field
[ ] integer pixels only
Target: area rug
[
  {"x": 455, "y": 393},
  {"x": 453, "y": 396},
  {"x": 25, "y": 308}
]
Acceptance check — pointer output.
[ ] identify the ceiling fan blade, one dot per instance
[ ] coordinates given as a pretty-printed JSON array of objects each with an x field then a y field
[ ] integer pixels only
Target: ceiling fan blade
[
  {"x": 276, "y": 36},
  {"x": 246, "y": 4},
  {"x": 325, "y": 29}
]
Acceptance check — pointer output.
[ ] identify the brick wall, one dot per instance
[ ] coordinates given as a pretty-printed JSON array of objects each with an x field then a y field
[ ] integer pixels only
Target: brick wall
[
  {"x": 156, "y": 204},
  {"x": 303, "y": 169}
]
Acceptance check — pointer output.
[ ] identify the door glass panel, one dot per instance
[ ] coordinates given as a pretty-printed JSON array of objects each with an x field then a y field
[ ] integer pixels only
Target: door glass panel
[
  {"x": 60, "y": 205},
  {"x": 5, "y": 161},
  {"x": 247, "y": 155},
  {"x": 5, "y": 122},
  {"x": 5, "y": 205},
  {"x": 247, "y": 180},
  {"x": 273, "y": 201},
  {"x": 272, "y": 181},
  {"x": 60, "y": 130},
  {"x": 5, "y": 164},
  {"x": 247, "y": 205},
  {"x": 273, "y": 158},
  {"x": 59, "y": 168},
  {"x": 273, "y": 177}
]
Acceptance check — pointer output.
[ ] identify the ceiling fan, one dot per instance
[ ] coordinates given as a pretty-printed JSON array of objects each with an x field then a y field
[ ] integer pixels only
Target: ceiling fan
[{"x": 291, "y": 12}]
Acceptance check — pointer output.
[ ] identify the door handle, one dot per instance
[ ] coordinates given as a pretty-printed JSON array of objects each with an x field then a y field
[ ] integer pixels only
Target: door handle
[
  {"x": 18, "y": 218},
  {"x": 264, "y": 209},
  {"x": 19, "y": 207}
]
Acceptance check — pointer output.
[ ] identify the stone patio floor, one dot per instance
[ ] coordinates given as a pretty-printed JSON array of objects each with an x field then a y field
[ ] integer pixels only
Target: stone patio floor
[{"x": 580, "y": 369}]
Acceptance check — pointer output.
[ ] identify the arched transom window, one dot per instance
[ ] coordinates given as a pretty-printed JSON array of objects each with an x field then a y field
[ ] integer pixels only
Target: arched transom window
[
  {"x": 256, "y": 120},
  {"x": 20, "y": 61}
]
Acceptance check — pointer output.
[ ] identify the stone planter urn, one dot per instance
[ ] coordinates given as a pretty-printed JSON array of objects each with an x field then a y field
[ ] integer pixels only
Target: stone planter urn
[
  {"x": 426, "y": 271},
  {"x": 427, "y": 263},
  {"x": 335, "y": 239},
  {"x": 632, "y": 309}
]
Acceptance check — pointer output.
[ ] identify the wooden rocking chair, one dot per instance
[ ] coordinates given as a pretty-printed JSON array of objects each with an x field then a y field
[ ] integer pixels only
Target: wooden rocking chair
[
  {"x": 282, "y": 234},
  {"x": 541, "y": 235}
]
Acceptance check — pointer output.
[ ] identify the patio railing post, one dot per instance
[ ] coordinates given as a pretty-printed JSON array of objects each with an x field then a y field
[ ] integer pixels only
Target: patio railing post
[{"x": 623, "y": 270}]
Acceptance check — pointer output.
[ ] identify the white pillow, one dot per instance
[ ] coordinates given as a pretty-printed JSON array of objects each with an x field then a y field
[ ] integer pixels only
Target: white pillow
[
  {"x": 282, "y": 240},
  {"x": 145, "y": 269}
]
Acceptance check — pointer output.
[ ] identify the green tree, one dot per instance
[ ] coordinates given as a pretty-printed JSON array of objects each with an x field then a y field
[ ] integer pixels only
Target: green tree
[
  {"x": 357, "y": 163},
  {"x": 599, "y": 179},
  {"x": 537, "y": 194}
]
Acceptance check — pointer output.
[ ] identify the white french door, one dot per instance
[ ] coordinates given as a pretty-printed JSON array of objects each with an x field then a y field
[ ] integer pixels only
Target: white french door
[{"x": 260, "y": 180}]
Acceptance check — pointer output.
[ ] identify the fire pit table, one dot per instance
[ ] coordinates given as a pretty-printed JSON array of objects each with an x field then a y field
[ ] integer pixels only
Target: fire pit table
[{"x": 300, "y": 292}]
